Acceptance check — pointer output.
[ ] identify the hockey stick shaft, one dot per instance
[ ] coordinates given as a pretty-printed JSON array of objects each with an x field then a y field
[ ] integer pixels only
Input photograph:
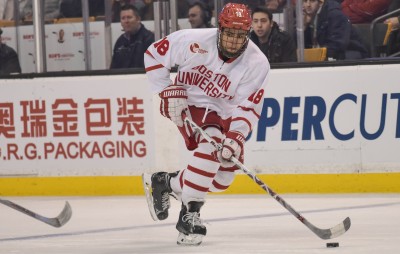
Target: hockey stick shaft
[
  {"x": 57, "y": 222},
  {"x": 322, "y": 233}
]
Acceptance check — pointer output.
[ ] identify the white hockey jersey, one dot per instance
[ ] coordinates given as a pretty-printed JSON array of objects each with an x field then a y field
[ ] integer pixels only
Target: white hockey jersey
[{"x": 234, "y": 88}]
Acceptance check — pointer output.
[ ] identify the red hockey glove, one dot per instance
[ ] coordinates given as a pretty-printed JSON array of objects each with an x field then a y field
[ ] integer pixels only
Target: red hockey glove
[
  {"x": 232, "y": 146},
  {"x": 173, "y": 103}
]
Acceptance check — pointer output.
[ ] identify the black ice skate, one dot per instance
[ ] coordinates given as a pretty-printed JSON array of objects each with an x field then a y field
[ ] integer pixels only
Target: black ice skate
[
  {"x": 190, "y": 227},
  {"x": 157, "y": 190}
]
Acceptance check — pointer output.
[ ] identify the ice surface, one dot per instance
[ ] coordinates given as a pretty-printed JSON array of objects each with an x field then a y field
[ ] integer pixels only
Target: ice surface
[{"x": 235, "y": 224}]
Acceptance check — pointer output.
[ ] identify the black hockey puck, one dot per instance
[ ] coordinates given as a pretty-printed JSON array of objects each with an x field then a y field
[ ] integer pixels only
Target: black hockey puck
[{"x": 332, "y": 245}]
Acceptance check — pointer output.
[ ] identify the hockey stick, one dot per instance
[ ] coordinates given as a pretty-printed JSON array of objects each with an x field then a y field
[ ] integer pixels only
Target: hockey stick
[
  {"x": 329, "y": 233},
  {"x": 57, "y": 222}
]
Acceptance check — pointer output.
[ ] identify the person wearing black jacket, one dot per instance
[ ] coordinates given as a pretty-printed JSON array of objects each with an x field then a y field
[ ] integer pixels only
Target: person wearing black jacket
[
  {"x": 277, "y": 45},
  {"x": 9, "y": 62},
  {"x": 327, "y": 26},
  {"x": 130, "y": 47}
]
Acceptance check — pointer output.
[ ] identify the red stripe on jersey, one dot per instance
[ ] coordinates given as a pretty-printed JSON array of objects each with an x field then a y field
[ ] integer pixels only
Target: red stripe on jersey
[
  {"x": 148, "y": 53},
  {"x": 219, "y": 186},
  {"x": 250, "y": 109},
  {"x": 244, "y": 120},
  {"x": 200, "y": 172},
  {"x": 195, "y": 186},
  {"x": 205, "y": 156},
  {"x": 181, "y": 178},
  {"x": 154, "y": 67}
]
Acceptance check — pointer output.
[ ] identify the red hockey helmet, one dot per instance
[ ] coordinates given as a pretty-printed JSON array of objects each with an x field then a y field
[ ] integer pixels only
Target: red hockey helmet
[{"x": 234, "y": 18}]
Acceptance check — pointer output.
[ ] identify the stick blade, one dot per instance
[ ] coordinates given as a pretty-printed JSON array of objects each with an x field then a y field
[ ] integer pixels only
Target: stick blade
[
  {"x": 333, "y": 232},
  {"x": 59, "y": 221},
  {"x": 65, "y": 215}
]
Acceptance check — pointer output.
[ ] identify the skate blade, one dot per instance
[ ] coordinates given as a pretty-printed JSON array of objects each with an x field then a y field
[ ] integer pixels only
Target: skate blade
[
  {"x": 189, "y": 240},
  {"x": 146, "y": 178}
]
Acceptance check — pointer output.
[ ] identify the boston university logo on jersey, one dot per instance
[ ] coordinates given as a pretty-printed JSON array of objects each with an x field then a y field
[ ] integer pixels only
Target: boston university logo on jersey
[
  {"x": 213, "y": 84},
  {"x": 195, "y": 48}
]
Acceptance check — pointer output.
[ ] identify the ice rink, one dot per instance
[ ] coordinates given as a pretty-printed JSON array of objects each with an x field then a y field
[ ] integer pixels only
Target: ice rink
[{"x": 235, "y": 224}]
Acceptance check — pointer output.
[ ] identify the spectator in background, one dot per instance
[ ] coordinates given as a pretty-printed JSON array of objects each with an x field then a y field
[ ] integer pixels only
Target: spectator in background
[
  {"x": 364, "y": 11},
  {"x": 276, "y": 44},
  {"x": 73, "y": 8},
  {"x": 252, "y": 4},
  {"x": 183, "y": 6},
  {"x": 327, "y": 26},
  {"x": 9, "y": 62},
  {"x": 96, "y": 8},
  {"x": 22, "y": 4},
  {"x": 70, "y": 9},
  {"x": 147, "y": 12},
  {"x": 141, "y": 5},
  {"x": 6, "y": 9},
  {"x": 146, "y": 9},
  {"x": 51, "y": 10},
  {"x": 275, "y": 5},
  {"x": 130, "y": 47},
  {"x": 199, "y": 15}
]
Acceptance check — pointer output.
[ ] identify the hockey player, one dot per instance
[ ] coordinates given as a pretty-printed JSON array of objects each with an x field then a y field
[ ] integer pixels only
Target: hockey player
[{"x": 220, "y": 85}]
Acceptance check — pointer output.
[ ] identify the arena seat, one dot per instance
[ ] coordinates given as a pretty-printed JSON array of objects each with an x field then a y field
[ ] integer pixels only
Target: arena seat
[
  {"x": 375, "y": 37},
  {"x": 315, "y": 55}
]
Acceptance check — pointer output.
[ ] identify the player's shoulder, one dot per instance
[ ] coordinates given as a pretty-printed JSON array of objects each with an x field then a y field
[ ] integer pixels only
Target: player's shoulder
[
  {"x": 255, "y": 56},
  {"x": 195, "y": 34}
]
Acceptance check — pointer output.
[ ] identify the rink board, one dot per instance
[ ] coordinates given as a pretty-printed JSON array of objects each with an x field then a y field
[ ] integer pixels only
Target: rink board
[
  {"x": 338, "y": 130},
  {"x": 132, "y": 185}
]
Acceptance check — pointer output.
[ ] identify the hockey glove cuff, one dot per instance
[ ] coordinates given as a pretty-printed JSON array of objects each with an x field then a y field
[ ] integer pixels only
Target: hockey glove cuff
[{"x": 173, "y": 103}]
